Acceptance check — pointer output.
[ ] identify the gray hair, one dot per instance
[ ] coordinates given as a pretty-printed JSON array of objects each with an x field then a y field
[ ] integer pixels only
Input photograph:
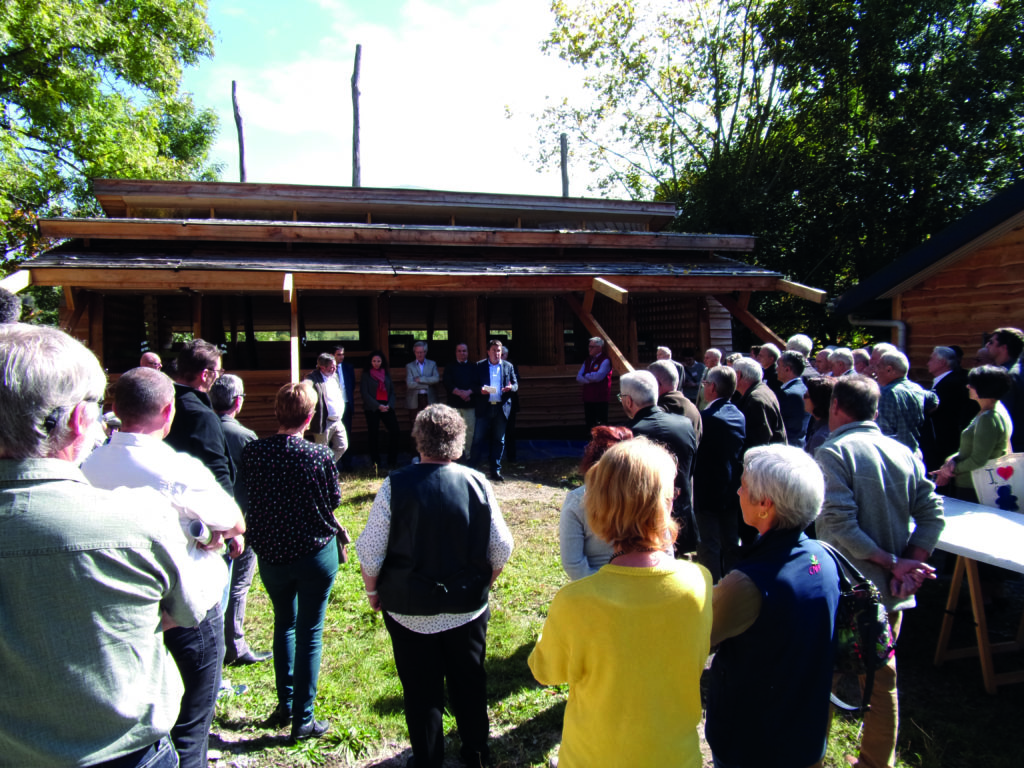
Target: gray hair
[
  {"x": 724, "y": 379},
  {"x": 714, "y": 352},
  {"x": 748, "y": 369},
  {"x": 861, "y": 354},
  {"x": 439, "y": 432},
  {"x": 666, "y": 350},
  {"x": 947, "y": 354},
  {"x": 883, "y": 346},
  {"x": 788, "y": 476},
  {"x": 666, "y": 373},
  {"x": 843, "y": 355},
  {"x": 801, "y": 343},
  {"x": 325, "y": 359},
  {"x": 225, "y": 391},
  {"x": 46, "y": 373},
  {"x": 10, "y": 307},
  {"x": 897, "y": 360},
  {"x": 420, "y": 344},
  {"x": 140, "y": 395},
  {"x": 596, "y": 340},
  {"x": 771, "y": 349},
  {"x": 641, "y": 386}
]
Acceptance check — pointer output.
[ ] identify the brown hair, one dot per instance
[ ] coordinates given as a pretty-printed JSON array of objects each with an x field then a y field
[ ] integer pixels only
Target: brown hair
[
  {"x": 294, "y": 403},
  {"x": 629, "y": 495}
]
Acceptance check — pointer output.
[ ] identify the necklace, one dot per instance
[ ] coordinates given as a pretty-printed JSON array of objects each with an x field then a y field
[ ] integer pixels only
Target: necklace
[{"x": 621, "y": 552}]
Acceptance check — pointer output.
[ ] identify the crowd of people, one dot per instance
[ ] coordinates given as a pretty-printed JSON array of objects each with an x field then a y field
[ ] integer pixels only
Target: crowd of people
[{"x": 689, "y": 534}]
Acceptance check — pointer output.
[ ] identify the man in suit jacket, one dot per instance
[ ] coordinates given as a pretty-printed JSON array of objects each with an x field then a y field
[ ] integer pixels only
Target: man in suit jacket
[
  {"x": 760, "y": 407},
  {"x": 347, "y": 381},
  {"x": 791, "y": 398},
  {"x": 716, "y": 476},
  {"x": 639, "y": 394},
  {"x": 326, "y": 426},
  {"x": 940, "y": 436},
  {"x": 495, "y": 382},
  {"x": 670, "y": 399},
  {"x": 421, "y": 378}
]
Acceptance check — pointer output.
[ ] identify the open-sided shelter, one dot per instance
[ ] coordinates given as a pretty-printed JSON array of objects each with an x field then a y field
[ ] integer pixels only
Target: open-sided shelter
[{"x": 279, "y": 273}]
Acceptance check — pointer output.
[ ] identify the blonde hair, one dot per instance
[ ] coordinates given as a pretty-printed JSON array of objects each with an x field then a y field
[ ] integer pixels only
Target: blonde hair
[
  {"x": 294, "y": 403},
  {"x": 629, "y": 495}
]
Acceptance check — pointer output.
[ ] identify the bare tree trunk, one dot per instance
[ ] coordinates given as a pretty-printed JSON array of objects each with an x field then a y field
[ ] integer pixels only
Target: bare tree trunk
[
  {"x": 356, "y": 170},
  {"x": 564, "y": 141},
  {"x": 238, "y": 125}
]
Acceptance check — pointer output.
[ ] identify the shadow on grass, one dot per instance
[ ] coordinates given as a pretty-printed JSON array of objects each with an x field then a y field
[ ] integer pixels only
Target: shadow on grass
[
  {"x": 248, "y": 744},
  {"x": 530, "y": 741},
  {"x": 509, "y": 675}
]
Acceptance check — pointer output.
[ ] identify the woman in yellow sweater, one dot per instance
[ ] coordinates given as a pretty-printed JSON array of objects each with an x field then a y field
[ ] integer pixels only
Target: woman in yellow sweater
[{"x": 631, "y": 640}]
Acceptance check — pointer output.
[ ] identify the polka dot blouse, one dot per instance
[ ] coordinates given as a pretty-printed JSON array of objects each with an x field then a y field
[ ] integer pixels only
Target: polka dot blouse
[{"x": 292, "y": 485}]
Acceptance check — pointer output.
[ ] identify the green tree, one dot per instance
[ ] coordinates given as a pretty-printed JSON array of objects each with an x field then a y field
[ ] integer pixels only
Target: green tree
[
  {"x": 89, "y": 89},
  {"x": 840, "y": 133}
]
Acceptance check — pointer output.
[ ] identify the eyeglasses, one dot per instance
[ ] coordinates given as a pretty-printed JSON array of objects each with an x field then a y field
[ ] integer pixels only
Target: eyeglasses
[
  {"x": 217, "y": 372},
  {"x": 620, "y": 396}
]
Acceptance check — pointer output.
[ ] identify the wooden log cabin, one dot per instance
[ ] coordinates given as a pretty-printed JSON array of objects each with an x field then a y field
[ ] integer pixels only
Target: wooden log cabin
[
  {"x": 964, "y": 282},
  {"x": 277, "y": 274}
]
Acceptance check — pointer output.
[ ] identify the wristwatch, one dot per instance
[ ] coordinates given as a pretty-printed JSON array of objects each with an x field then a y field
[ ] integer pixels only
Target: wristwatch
[{"x": 892, "y": 565}]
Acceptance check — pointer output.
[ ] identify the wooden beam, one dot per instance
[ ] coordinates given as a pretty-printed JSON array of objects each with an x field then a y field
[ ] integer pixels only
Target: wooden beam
[
  {"x": 17, "y": 281},
  {"x": 743, "y": 299},
  {"x": 612, "y": 291},
  {"x": 293, "y": 340},
  {"x": 76, "y": 316},
  {"x": 69, "y": 297},
  {"x": 762, "y": 331},
  {"x": 318, "y": 232},
  {"x": 288, "y": 288},
  {"x": 142, "y": 280},
  {"x": 588, "y": 302},
  {"x": 619, "y": 361},
  {"x": 803, "y": 291}
]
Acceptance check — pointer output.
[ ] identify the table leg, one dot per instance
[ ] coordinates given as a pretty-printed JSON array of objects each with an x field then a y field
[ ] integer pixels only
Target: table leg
[
  {"x": 951, "y": 603},
  {"x": 988, "y": 671}
]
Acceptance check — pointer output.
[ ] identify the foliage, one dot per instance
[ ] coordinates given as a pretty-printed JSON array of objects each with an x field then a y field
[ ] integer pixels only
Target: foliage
[
  {"x": 89, "y": 89},
  {"x": 840, "y": 133}
]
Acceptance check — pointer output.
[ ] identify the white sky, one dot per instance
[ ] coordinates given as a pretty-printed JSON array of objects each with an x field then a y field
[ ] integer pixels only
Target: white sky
[{"x": 437, "y": 78}]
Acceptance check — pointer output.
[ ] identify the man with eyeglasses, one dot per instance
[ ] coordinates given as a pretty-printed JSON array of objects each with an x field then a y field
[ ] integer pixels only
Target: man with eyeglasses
[
  {"x": 196, "y": 428},
  {"x": 595, "y": 376}
]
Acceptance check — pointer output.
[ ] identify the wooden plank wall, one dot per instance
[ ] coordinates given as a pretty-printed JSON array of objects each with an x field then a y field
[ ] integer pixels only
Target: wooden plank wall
[
  {"x": 979, "y": 293},
  {"x": 548, "y": 395}
]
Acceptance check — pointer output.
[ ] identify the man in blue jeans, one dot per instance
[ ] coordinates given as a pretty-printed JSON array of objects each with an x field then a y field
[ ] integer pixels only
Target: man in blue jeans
[{"x": 84, "y": 578}]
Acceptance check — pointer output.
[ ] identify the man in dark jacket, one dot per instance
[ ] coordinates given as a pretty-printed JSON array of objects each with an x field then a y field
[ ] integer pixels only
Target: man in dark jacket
[
  {"x": 760, "y": 407},
  {"x": 327, "y": 428},
  {"x": 639, "y": 394},
  {"x": 791, "y": 397},
  {"x": 460, "y": 383},
  {"x": 196, "y": 429},
  {"x": 495, "y": 382},
  {"x": 670, "y": 399},
  {"x": 716, "y": 476}
]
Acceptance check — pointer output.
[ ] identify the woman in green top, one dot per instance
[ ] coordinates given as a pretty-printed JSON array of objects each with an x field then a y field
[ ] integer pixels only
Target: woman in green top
[{"x": 986, "y": 438}]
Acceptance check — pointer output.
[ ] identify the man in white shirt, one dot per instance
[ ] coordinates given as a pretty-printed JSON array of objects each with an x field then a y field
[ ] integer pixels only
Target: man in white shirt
[
  {"x": 326, "y": 427},
  {"x": 137, "y": 457}
]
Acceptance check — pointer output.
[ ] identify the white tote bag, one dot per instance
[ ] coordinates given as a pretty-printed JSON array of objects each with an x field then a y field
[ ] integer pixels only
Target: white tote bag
[{"x": 1000, "y": 483}]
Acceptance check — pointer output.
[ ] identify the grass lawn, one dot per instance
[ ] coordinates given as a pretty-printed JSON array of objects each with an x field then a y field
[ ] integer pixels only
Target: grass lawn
[{"x": 946, "y": 718}]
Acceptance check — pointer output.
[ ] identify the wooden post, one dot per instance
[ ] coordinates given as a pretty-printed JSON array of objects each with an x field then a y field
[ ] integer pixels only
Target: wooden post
[
  {"x": 292, "y": 297},
  {"x": 238, "y": 126},
  {"x": 356, "y": 169},
  {"x": 564, "y": 142}
]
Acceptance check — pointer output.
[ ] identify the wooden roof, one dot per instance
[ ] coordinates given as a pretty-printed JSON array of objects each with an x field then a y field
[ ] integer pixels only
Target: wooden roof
[{"x": 125, "y": 198}]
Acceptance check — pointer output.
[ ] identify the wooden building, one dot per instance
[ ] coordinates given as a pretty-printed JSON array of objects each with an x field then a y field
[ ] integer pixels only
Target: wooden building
[
  {"x": 965, "y": 281},
  {"x": 279, "y": 273}
]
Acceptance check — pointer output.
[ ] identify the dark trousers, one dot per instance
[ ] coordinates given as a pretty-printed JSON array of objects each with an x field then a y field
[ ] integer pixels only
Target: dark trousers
[
  {"x": 595, "y": 414},
  {"x": 346, "y": 421},
  {"x": 299, "y": 591},
  {"x": 490, "y": 434},
  {"x": 719, "y": 539},
  {"x": 373, "y": 422},
  {"x": 198, "y": 652},
  {"x": 424, "y": 663},
  {"x": 242, "y": 571},
  {"x": 510, "y": 436}
]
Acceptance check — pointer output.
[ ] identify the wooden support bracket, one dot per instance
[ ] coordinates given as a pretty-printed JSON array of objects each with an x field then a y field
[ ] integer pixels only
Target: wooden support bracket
[
  {"x": 17, "y": 281},
  {"x": 619, "y": 361},
  {"x": 612, "y": 291},
  {"x": 740, "y": 313},
  {"x": 803, "y": 291},
  {"x": 288, "y": 287}
]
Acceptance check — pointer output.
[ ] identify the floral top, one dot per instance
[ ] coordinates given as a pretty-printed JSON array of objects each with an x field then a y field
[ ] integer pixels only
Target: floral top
[{"x": 292, "y": 487}]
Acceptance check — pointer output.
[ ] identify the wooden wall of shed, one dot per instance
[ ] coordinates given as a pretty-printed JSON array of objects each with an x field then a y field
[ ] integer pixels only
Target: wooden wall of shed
[{"x": 979, "y": 293}]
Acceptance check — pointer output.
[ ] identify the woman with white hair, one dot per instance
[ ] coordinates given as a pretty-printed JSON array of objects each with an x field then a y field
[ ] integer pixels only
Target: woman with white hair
[{"x": 774, "y": 617}]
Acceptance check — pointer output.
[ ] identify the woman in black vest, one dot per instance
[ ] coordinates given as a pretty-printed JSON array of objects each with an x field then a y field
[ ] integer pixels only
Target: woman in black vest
[
  {"x": 774, "y": 615},
  {"x": 433, "y": 545}
]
